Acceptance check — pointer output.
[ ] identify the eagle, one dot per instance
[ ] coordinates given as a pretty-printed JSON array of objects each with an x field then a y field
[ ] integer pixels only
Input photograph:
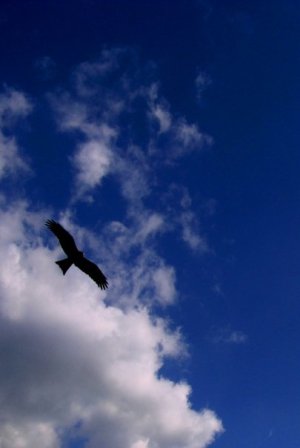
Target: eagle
[{"x": 74, "y": 255}]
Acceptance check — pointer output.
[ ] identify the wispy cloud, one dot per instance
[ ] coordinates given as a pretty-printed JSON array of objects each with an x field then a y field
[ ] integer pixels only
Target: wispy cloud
[
  {"x": 179, "y": 206},
  {"x": 189, "y": 138},
  {"x": 190, "y": 232},
  {"x": 202, "y": 82},
  {"x": 229, "y": 336},
  {"x": 109, "y": 118},
  {"x": 129, "y": 102},
  {"x": 13, "y": 106}
]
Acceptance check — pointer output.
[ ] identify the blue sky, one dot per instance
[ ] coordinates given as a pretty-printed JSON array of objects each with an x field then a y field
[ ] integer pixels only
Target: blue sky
[{"x": 165, "y": 136}]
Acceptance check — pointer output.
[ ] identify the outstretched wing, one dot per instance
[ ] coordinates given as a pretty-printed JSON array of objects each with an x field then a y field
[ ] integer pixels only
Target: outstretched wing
[
  {"x": 65, "y": 238},
  {"x": 93, "y": 271}
]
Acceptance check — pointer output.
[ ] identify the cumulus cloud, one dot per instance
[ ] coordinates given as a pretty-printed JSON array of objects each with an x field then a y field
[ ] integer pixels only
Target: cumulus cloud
[
  {"x": 70, "y": 359},
  {"x": 23, "y": 435}
]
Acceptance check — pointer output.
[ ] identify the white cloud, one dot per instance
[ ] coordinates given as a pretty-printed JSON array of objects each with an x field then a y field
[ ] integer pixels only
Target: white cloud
[
  {"x": 13, "y": 106},
  {"x": 163, "y": 117},
  {"x": 132, "y": 163},
  {"x": 237, "y": 337},
  {"x": 189, "y": 138},
  {"x": 89, "y": 75},
  {"x": 111, "y": 93},
  {"x": 133, "y": 177},
  {"x": 25, "y": 435},
  {"x": 150, "y": 224},
  {"x": 186, "y": 219},
  {"x": 92, "y": 162},
  {"x": 190, "y": 232},
  {"x": 164, "y": 280},
  {"x": 93, "y": 158},
  {"x": 185, "y": 200},
  {"x": 159, "y": 108},
  {"x": 71, "y": 115},
  {"x": 10, "y": 160},
  {"x": 70, "y": 354},
  {"x": 67, "y": 357},
  {"x": 141, "y": 444},
  {"x": 228, "y": 336}
]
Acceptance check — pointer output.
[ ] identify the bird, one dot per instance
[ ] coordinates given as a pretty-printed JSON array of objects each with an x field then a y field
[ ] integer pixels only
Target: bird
[{"x": 75, "y": 256}]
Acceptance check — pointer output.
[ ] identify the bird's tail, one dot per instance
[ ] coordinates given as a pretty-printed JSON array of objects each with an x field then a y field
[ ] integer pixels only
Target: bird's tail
[{"x": 64, "y": 264}]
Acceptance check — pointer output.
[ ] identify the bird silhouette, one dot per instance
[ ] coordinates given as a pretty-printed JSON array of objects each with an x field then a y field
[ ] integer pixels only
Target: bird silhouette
[{"x": 74, "y": 255}]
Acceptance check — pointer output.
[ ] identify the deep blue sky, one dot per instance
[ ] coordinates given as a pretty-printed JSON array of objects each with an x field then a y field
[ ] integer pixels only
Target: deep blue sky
[{"x": 249, "y": 282}]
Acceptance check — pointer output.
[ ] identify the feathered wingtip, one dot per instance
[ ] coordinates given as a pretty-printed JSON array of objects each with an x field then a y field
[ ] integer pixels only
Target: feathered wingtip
[
  {"x": 103, "y": 284},
  {"x": 49, "y": 223},
  {"x": 64, "y": 264}
]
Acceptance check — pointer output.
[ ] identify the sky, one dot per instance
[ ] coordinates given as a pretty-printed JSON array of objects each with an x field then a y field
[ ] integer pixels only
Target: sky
[{"x": 164, "y": 135}]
